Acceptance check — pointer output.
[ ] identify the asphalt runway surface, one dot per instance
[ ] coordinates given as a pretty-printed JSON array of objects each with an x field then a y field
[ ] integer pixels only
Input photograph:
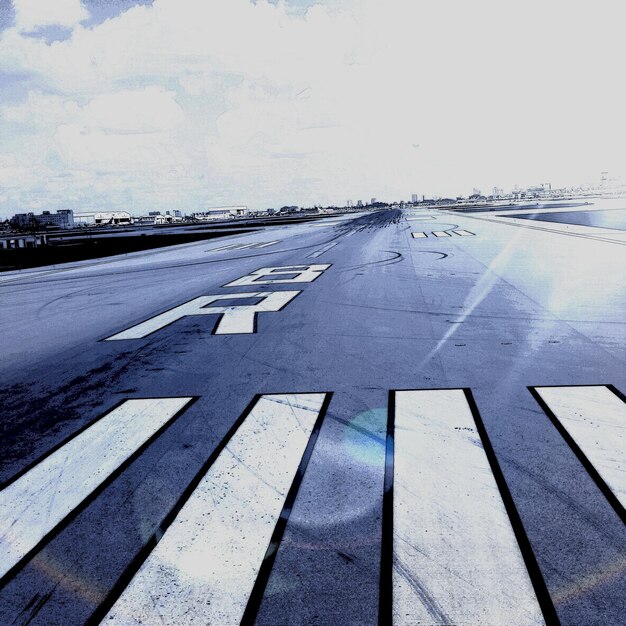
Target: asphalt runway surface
[
  {"x": 614, "y": 218},
  {"x": 400, "y": 417}
]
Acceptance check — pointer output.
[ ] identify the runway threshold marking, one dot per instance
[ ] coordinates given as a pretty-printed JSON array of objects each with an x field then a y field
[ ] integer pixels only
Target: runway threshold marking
[
  {"x": 442, "y": 233},
  {"x": 234, "y": 319},
  {"x": 451, "y": 554},
  {"x": 321, "y": 251},
  {"x": 592, "y": 419},
  {"x": 203, "y": 570},
  {"x": 40, "y": 499}
]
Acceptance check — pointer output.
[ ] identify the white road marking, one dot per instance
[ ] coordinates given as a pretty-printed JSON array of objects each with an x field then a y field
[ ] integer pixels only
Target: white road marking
[
  {"x": 463, "y": 233},
  {"x": 595, "y": 418},
  {"x": 305, "y": 274},
  {"x": 456, "y": 559},
  {"x": 350, "y": 233},
  {"x": 235, "y": 319},
  {"x": 244, "y": 246},
  {"x": 36, "y": 502},
  {"x": 204, "y": 568},
  {"x": 321, "y": 251},
  {"x": 441, "y": 233},
  {"x": 419, "y": 235}
]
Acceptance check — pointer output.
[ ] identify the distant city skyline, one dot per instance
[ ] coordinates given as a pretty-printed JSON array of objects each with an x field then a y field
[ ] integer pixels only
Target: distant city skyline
[{"x": 182, "y": 104}]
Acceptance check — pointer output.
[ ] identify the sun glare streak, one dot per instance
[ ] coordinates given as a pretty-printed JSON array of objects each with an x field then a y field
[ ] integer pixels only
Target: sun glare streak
[
  {"x": 589, "y": 582},
  {"x": 477, "y": 293}
]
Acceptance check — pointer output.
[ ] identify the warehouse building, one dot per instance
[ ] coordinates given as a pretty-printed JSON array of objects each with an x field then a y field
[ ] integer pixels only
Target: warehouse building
[
  {"x": 108, "y": 218},
  {"x": 221, "y": 213}
]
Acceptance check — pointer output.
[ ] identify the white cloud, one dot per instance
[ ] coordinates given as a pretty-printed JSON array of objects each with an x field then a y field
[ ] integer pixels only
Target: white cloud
[
  {"x": 32, "y": 14},
  {"x": 151, "y": 109},
  {"x": 196, "y": 102}
]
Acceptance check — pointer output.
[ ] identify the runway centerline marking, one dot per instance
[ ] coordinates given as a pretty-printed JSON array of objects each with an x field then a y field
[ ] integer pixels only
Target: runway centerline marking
[
  {"x": 34, "y": 504},
  {"x": 441, "y": 233},
  {"x": 204, "y": 568},
  {"x": 456, "y": 558},
  {"x": 234, "y": 319},
  {"x": 418, "y": 235},
  {"x": 463, "y": 233},
  {"x": 592, "y": 419},
  {"x": 264, "y": 276}
]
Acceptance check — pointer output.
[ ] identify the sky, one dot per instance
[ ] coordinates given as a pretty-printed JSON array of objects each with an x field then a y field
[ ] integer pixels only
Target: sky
[{"x": 145, "y": 105}]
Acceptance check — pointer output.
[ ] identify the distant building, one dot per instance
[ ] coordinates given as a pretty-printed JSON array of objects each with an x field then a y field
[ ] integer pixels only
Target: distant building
[
  {"x": 64, "y": 218},
  {"x": 221, "y": 213},
  {"x": 145, "y": 220},
  {"x": 15, "y": 242},
  {"x": 349, "y": 204},
  {"x": 103, "y": 218},
  {"x": 535, "y": 192},
  {"x": 414, "y": 198},
  {"x": 373, "y": 201},
  {"x": 359, "y": 203}
]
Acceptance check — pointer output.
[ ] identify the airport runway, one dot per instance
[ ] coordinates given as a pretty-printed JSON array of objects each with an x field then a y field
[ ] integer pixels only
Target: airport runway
[{"x": 401, "y": 417}]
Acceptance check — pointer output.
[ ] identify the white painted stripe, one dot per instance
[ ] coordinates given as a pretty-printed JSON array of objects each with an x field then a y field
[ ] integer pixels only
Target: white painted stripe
[
  {"x": 321, "y": 251},
  {"x": 595, "y": 418},
  {"x": 463, "y": 233},
  {"x": 419, "y": 235},
  {"x": 235, "y": 319},
  {"x": 456, "y": 559},
  {"x": 304, "y": 274},
  {"x": 350, "y": 233},
  {"x": 203, "y": 569},
  {"x": 245, "y": 246},
  {"x": 441, "y": 233},
  {"x": 36, "y": 502}
]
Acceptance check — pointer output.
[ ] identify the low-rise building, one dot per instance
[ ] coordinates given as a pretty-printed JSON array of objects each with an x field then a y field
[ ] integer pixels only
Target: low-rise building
[
  {"x": 220, "y": 213},
  {"x": 108, "y": 218},
  {"x": 63, "y": 218},
  {"x": 15, "y": 242}
]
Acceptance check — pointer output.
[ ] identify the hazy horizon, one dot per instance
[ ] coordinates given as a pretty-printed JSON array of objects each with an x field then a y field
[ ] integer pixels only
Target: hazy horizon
[{"x": 185, "y": 104}]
